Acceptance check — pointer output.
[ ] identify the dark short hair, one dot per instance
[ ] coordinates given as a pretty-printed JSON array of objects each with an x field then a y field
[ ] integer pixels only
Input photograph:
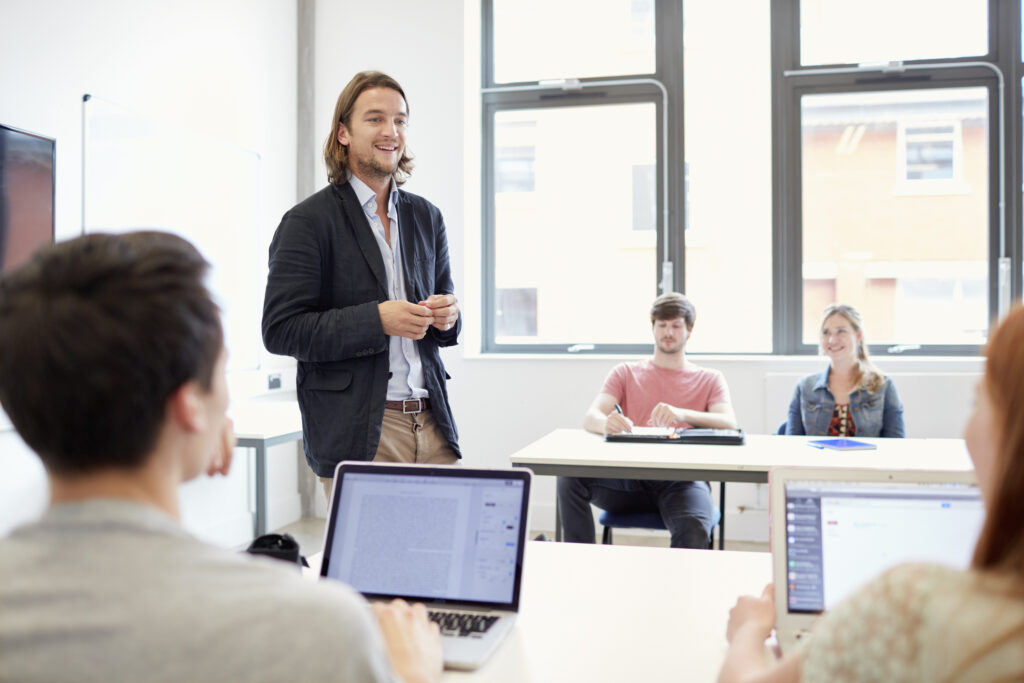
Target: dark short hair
[
  {"x": 335, "y": 153},
  {"x": 96, "y": 333},
  {"x": 672, "y": 305}
]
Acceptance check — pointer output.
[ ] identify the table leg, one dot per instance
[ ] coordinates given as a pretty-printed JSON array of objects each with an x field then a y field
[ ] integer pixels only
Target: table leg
[
  {"x": 260, "y": 518},
  {"x": 721, "y": 522}
]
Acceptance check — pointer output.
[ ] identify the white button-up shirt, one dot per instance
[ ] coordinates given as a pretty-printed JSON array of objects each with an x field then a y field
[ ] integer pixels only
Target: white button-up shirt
[{"x": 406, "y": 369}]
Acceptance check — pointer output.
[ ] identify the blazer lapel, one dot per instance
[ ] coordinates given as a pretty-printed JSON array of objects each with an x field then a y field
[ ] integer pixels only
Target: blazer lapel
[
  {"x": 407, "y": 226},
  {"x": 363, "y": 234}
]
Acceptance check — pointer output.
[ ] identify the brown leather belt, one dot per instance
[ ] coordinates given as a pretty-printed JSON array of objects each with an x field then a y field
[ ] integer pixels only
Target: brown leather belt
[{"x": 409, "y": 405}]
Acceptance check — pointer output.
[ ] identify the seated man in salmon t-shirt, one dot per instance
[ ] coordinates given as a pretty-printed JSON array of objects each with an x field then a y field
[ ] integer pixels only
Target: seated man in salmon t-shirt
[{"x": 666, "y": 390}]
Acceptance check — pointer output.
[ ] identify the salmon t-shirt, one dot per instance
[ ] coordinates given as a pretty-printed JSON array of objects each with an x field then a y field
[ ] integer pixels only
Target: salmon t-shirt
[{"x": 638, "y": 387}]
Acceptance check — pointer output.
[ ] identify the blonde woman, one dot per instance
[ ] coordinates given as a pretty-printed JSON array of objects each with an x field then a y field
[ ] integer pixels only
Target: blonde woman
[
  {"x": 923, "y": 622},
  {"x": 851, "y": 397}
]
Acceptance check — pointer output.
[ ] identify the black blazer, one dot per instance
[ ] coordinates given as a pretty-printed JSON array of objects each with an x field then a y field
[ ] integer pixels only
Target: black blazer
[{"x": 326, "y": 278}]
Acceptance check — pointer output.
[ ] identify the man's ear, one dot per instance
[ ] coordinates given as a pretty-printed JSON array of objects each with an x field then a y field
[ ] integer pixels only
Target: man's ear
[
  {"x": 185, "y": 407},
  {"x": 343, "y": 137}
]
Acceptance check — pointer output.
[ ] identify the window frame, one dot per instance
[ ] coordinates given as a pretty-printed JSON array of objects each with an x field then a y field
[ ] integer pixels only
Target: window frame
[
  {"x": 625, "y": 89},
  {"x": 791, "y": 81}
]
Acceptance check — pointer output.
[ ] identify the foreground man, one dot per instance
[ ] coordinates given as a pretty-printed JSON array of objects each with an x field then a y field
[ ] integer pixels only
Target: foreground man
[{"x": 112, "y": 370}]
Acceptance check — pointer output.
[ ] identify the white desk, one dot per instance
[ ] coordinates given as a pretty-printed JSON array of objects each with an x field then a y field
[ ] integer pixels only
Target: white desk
[
  {"x": 610, "y": 613},
  {"x": 599, "y": 613},
  {"x": 259, "y": 425},
  {"x": 577, "y": 453}
]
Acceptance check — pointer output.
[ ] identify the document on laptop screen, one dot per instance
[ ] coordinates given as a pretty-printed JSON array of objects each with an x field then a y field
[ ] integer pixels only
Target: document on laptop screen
[{"x": 424, "y": 537}]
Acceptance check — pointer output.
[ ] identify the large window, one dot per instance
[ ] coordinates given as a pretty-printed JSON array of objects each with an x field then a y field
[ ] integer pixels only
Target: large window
[
  {"x": 765, "y": 158},
  {"x": 857, "y": 31},
  {"x": 574, "y": 172},
  {"x": 895, "y": 214},
  {"x": 890, "y": 146},
  {"x": 728, "y": 154},
  {"x": 581, "y": 250}
]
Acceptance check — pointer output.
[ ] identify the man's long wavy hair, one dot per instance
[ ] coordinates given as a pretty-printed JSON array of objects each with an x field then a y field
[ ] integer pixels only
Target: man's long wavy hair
[{"x": 335, "y": 153}]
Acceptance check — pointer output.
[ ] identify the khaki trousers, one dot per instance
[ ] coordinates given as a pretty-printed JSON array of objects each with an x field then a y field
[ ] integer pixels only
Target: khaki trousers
[{"x": 412, "y": 438}]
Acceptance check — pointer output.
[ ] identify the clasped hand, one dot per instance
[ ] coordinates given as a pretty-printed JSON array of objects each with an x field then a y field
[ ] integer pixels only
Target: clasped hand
[
  {"x": 401, "y": 318},
  {"x": 665, "y": 415}
]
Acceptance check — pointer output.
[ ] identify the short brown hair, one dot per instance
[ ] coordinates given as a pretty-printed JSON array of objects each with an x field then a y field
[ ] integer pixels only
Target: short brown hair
[
  {"x": 335, "y": 153},
  {"x": 672, "y": 305},
  {"x": 96, "y": 333}
]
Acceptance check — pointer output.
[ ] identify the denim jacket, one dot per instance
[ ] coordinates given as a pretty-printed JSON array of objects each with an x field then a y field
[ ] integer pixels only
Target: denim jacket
[{"x": 874, "y": 414}]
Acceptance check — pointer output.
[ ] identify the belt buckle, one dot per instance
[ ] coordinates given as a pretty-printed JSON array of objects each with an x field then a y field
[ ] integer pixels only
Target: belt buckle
[{"x": 414, "y": 401}]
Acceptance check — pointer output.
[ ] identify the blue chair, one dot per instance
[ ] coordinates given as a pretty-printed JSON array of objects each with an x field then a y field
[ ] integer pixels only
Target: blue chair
[{"x": 645, "y": 520}]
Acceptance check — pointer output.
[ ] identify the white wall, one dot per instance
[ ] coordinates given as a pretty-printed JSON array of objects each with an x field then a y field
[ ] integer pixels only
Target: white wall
[{"x": 223, "y": 69}]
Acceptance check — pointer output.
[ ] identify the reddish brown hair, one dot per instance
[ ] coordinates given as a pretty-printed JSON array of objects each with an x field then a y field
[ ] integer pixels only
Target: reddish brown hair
[{"x": 1001, "y": 544}]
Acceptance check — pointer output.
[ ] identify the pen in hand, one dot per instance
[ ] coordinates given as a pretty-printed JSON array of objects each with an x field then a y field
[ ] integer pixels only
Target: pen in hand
[{"x": 628, "y": 425}]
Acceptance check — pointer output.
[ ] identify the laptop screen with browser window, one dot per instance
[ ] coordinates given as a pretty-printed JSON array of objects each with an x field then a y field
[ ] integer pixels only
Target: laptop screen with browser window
[{"x": 840, "y": 534}]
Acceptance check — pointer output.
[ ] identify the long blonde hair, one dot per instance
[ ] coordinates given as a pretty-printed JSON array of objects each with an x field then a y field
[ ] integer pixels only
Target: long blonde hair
[{"x": 868, "y": 374}]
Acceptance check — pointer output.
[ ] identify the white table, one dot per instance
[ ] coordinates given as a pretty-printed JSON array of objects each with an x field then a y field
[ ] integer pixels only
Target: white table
[
  {"x": 578, "y": 453},
  {"x": 619, "y": 613},
  {"x": 599, "y": 613},
  {"x": 260, "y": 424}
]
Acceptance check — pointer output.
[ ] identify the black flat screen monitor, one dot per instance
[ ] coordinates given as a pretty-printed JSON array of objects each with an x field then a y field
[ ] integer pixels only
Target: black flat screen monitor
[{"x": 26, "y": 194}]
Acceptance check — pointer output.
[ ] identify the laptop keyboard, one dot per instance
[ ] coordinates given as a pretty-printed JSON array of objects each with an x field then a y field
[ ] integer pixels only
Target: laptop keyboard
[{"x": 462, "y": 623}]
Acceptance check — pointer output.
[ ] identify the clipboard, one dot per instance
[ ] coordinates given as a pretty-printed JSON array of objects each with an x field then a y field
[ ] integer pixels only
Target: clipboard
[{"x": 683, "y": 435}]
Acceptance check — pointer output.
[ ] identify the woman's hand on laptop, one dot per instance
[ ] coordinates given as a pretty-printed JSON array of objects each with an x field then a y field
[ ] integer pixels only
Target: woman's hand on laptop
[
  {"x": 413, "y": 641},
  {"x": 753, "y": 615}
]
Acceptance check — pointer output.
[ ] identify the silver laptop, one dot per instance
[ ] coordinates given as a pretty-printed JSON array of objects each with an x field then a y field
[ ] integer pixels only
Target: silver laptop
[
  {"x": 449, "y": 537},
  {"x": 833, "y": 530}
]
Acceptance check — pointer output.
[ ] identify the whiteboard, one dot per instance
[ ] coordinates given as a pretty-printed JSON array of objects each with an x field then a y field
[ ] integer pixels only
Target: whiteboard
[{"x": 139, "y": 174}]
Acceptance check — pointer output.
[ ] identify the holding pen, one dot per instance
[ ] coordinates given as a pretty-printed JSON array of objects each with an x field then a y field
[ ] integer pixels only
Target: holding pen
[{"x": 617, "y": 423}]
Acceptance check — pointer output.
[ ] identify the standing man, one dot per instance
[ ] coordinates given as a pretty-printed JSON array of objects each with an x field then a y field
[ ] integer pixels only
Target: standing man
[
  {"x": 360, "y": 293},
  {"x": 667, "y": 390}
]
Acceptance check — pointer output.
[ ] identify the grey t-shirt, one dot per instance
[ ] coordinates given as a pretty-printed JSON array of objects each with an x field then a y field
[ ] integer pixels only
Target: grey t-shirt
[{"x": 111, "y": 590}]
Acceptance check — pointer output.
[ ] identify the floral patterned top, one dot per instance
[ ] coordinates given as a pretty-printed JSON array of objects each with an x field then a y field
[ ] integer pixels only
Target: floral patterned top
[
  {"x": 922, "y": 623},
  {"x": 841, "y": 423}
]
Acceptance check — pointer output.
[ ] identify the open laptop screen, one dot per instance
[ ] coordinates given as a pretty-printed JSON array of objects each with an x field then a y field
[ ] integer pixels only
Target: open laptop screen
[
  {"x": 428, "y": 534},
  {"x": 840, "y": 534}
]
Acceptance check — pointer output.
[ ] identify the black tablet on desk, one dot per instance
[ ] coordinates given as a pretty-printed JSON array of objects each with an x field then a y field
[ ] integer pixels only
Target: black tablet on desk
[{"x": 682, "y": 435}]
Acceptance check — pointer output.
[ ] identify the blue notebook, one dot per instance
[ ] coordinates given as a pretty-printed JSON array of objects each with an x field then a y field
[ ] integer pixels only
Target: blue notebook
[{"x": 842, "y": 444}]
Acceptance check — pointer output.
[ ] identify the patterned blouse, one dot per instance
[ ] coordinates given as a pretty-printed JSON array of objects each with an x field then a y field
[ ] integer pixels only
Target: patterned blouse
[
  {"x": 842, "y": 422},
  {"x": 921, "y": 623}
]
